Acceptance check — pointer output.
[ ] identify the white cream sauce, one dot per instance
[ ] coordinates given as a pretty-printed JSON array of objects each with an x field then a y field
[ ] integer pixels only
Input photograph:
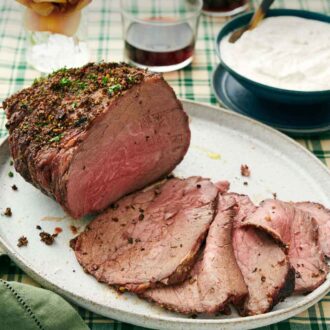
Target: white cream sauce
[{"x": 285, "y": 51}]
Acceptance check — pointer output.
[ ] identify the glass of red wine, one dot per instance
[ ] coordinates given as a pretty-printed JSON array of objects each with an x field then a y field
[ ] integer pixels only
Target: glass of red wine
[
  {"x": 224, "y": 8},
  {"x": 160, "y": 34}
]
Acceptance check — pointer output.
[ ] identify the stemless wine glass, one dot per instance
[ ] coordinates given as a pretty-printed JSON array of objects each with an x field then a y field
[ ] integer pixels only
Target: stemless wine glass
[{"x": 160, "y": 34}]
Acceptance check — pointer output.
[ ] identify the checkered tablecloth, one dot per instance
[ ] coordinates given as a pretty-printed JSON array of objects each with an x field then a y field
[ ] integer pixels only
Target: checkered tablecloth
[{"x": 105, "y": 41}]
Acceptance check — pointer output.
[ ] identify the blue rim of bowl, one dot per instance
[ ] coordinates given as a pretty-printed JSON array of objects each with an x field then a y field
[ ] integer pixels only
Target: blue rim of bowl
[
  {"x": 293, "y": 132},
  {"x": 273, "y": 12}
]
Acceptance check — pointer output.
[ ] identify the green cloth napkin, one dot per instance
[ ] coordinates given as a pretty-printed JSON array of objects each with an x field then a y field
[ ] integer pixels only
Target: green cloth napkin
[{"x": 24, "y": 307}]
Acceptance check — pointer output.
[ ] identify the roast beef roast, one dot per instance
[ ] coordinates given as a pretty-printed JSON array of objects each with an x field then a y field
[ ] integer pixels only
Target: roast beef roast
[
  {"x": 322, "y": 218},
  {"x": 297, "y": 230},
  {"x": 264, "y": 265},
  {"x": 88, "y": 136},
  {"x": 150, "y": 237},
  {"x": 215, "y": 280}
]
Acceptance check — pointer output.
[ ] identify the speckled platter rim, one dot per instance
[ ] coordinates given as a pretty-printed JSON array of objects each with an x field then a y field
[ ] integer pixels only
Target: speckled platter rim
[{"x": 164, "y": 322}]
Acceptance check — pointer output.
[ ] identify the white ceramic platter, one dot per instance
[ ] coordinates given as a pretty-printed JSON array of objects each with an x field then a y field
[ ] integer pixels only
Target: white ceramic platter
[{"x": 221, "y": 142}]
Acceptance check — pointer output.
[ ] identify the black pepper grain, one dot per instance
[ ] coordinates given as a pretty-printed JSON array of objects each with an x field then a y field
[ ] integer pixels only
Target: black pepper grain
[
  {"x": 245, "y": 170},
  {"x": 47, "y": 238},
  {"x": 8, "y": 212},
  {"x": 114, "y": 206},
  {"x": 22, "y": 241}
]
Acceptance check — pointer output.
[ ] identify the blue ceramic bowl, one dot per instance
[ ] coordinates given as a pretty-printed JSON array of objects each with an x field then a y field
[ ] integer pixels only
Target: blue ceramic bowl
[{"x": 266, "y": 91}]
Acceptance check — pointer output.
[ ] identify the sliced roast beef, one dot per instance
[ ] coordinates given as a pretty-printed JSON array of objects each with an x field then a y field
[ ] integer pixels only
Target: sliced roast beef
[
  {"x": 299, "y": 232},
  {"x": 322, "y": 218},
  {"x": 214, "y": 281},
  {"x": 264, "y": 265},
  {"x": 150, "y": 237},
  {"x": 223, "y": 186},
  {"x": 88, "y": 136}
]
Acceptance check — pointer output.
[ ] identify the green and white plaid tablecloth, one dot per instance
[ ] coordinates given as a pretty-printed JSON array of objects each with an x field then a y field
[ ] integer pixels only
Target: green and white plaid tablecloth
[{"x": 104, "y": 35}]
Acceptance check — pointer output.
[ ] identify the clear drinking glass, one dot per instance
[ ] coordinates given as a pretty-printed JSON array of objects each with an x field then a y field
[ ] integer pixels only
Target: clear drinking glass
[
  {"x": 50, "y": 47},
  {"x": 48, "y": 52},
  {"x": 160, "y": 34},
  {"x": 224, "y": 8}
]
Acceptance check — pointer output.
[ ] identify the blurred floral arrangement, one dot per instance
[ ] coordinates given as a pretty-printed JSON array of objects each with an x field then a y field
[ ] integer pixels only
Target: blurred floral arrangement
[{"x": 56, "y": 16}]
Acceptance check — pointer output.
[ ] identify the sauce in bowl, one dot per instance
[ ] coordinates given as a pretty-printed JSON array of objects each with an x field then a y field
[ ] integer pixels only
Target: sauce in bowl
[{"x": 286, "y": 52}]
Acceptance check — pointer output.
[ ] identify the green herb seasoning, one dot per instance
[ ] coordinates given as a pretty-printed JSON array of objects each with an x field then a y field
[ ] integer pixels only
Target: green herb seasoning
[
  {"x": 105, "y": 80},
  {"x": 56, "y": 138},
  {"x": 11, "y": 163},
  {"x": 114, "y": 89},
  {"x": 59, "y": 71},
  {"x": 92, "y": 76},
  {"x": 64, "y": 82},
  {"x": 81, "y": 84},
  {"x": 131, "y": 79},
  {"x": 10, "y": 174},
  {"x": 36, "y": 81},
  {"x": 41, "y": 124}
]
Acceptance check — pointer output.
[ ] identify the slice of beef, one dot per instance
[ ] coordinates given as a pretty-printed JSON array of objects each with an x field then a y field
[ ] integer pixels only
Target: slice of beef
[
  {"x": 299, "y": 232},
  {"x": 223, "y": 186},
  {"x": 90, "y": 135},
  {"x": 264, "y": 265},
  {"x": 150, "y": 237},
  {"x": 214, "y": 281},
  {"x": 322, "y": 218}
]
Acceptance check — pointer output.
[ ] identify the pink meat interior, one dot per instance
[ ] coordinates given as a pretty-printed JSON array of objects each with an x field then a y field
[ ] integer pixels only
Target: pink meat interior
[{"x": 130, "y": 146}]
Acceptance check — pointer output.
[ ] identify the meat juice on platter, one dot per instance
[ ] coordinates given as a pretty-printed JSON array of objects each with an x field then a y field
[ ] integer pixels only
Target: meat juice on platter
[{"x": 169, "y": 43}]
